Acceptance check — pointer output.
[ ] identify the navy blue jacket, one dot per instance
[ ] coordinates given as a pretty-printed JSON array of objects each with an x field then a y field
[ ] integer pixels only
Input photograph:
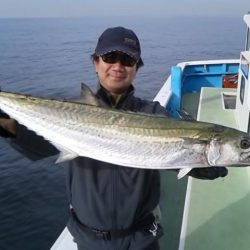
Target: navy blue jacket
[{"x": 104, "y": 196}]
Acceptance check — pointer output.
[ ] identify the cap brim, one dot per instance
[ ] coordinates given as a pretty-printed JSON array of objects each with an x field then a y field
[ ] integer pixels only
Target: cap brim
[{"x": 131, "y": 53}]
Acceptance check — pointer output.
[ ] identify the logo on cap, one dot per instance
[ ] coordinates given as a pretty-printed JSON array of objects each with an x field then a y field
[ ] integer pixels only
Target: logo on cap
[{"x": 130, "y": 41}]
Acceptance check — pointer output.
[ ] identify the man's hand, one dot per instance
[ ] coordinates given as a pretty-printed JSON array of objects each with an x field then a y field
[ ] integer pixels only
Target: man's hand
[
  {"x": 208, "y": 173},
  {"x": 8, "y": 127}
]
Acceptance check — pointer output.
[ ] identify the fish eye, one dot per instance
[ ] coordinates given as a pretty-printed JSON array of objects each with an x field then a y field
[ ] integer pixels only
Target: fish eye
[{"x": 245, "y": 144}]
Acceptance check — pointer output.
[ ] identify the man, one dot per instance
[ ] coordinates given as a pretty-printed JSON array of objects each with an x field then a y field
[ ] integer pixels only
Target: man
[{"x": 111, "y": 207}]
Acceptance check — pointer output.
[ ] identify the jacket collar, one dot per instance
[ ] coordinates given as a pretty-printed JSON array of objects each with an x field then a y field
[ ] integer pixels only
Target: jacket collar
[{"x": 104, "y": 95}]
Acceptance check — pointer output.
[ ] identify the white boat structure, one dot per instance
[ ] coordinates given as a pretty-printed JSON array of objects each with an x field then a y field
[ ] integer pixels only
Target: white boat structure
[{"x": 200, "y": 214}]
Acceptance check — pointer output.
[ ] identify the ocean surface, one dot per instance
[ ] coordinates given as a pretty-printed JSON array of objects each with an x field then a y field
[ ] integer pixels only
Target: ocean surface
[{"x": 51, "y": 57}]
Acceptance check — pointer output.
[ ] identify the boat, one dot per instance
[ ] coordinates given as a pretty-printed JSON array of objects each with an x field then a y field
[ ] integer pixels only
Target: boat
[{"x": 204, "y": 214}]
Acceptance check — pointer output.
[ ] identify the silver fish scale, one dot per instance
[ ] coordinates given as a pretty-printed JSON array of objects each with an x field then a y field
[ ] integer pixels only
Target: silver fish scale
[
  {"x": 126, "y": 146},
  {"x": 123, "y": 138}
]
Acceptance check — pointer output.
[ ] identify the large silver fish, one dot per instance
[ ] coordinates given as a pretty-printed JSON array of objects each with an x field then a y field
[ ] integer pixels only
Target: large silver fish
[{"x": 127, "y": 138}]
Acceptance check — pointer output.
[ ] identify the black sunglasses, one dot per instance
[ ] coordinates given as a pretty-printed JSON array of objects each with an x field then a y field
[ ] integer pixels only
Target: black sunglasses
[{"x": 114, "y": 57}]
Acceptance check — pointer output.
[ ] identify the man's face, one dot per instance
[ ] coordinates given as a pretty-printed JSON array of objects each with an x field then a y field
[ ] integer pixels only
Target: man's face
[{"x": 113, "y": 75}]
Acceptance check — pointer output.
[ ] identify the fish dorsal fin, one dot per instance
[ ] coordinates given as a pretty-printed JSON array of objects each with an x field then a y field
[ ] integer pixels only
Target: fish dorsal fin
[{"x": 88, "y": 97}]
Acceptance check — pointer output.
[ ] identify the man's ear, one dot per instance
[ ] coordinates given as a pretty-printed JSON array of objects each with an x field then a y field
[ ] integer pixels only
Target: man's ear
[{"x": 95, "y": 62}]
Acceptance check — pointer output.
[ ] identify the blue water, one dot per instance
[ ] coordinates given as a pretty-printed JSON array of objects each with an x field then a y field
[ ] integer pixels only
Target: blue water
[{"x": 51, "y": 57}]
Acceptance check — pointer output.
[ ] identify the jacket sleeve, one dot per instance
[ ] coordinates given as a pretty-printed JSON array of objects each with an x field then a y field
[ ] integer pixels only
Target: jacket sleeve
[
  {"x": 158, "y": 109},
  {"x": 31, "y": 145},
  {"x": 153, "y": 108}
]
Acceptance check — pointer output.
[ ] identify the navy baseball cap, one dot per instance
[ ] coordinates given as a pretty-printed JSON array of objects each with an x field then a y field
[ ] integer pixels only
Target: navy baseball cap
[{"x": 119, "y": 39}]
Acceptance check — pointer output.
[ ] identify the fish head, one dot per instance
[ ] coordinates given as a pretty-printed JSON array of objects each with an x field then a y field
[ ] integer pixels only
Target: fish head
[{"x": 229, "y": 149}]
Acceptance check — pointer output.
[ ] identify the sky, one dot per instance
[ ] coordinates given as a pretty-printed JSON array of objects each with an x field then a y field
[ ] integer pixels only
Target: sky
[{"x": 145, "y": 8}]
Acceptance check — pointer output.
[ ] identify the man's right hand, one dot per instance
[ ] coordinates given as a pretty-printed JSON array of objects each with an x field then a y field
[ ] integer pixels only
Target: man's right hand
[{"x": 8, "y": 126}]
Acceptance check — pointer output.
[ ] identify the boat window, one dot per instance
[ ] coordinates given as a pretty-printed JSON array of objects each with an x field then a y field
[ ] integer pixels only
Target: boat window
[
  {"x": 247, "y": 40},
  {"x": 242, "y": 89},
  {"x": 248, "y": 129},
  {"x": 229, "y": 100},
  {"x": 244, "y": 65}
]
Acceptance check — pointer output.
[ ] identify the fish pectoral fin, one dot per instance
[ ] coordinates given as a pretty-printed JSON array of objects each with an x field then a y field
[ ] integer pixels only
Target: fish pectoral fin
[
  {"x": 183, "y": 172},
  {"x": 66, "y": 156}
]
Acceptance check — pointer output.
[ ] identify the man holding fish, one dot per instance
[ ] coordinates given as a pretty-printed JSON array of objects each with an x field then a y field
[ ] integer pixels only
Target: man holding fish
[{"x": 111, "y": 206}]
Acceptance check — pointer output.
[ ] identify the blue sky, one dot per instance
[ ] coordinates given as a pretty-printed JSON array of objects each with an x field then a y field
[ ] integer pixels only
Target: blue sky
[{"x": 151, "y": 8}]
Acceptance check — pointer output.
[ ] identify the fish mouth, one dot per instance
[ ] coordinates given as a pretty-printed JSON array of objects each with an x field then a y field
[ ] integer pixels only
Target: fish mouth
[{"x": 245, "y": 158}]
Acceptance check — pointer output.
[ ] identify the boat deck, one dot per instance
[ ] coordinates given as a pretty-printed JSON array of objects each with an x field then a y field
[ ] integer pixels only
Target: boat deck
[
  {"x": 172, "y": 202},
  {"x": 218, "y": 213}
]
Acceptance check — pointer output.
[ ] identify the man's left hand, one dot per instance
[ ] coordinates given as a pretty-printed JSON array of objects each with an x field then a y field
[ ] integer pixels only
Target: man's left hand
[{"x": 208, "y": 173}]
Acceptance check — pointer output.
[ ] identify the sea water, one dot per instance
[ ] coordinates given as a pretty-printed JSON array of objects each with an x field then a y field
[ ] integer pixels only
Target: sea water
[{"x": 51, "y": 57}]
